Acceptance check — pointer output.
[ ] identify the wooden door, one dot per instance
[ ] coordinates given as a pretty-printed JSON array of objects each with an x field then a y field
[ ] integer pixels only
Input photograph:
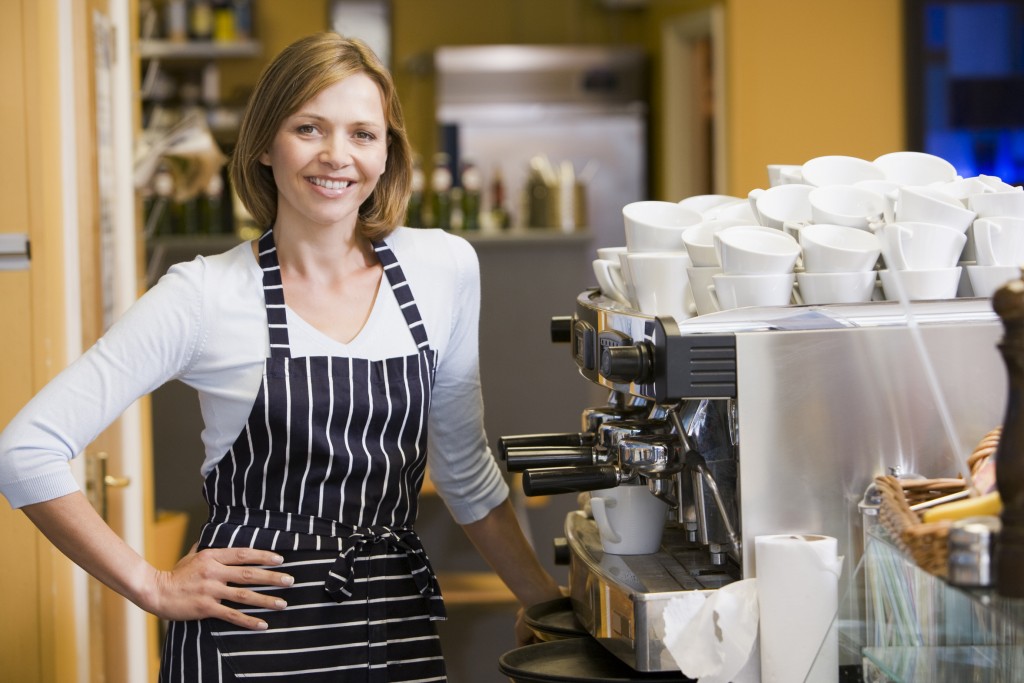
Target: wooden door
[{"x": 59, "y": 626}]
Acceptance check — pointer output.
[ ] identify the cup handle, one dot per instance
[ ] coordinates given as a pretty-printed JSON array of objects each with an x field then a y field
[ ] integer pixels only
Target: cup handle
[
  {"x": 714, "y": 297},
  {"x": 613, "y": 277},
  {"x": 896, "y": 259},
  {"x": 796, "y": 298},
  {"x": 792, "y": 228},
  {"x": 601, "y": 518}
]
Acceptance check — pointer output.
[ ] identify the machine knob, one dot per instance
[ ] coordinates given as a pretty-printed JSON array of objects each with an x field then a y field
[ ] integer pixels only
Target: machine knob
[
  {"x": 628, "y": 363},
  {"x": 561, "y": 329},
  {"x": 562, "y": 555}
]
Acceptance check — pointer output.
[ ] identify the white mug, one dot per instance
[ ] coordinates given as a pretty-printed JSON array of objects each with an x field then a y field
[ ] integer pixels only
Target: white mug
[
  {"x": 836, "y": 169},
  {"x": 660, "y": 283},
  {"x": 630, "y": 519},
  {"x": 781, "y": 204},
  {"x": 609, "y": 280},
  {"x": 752, "y": 250},
  {"x": 999, "y": 241},
  {"x": 985, "y": 280},
  {"x": 838, "y": 248},
  {"x": 921, "y": 246},
  {"x": 704, "y": 203},
  {"x": 919, "y": 285},
  {"x": 699, "y": 240},
  {"x": 836, "y": 288},
  {"x": 928, "y": 204},
  {"x": 739, "y": 291},
  {"x": 857, "y": 207},
  {"x": 915, "y": 168},
  {"x": 656, "y": 226},
  {"x": 988, "y": 204}
]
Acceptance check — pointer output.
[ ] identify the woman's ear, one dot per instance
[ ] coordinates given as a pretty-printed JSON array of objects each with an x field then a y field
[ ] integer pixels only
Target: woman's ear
[{"x": 265, "y": 158}]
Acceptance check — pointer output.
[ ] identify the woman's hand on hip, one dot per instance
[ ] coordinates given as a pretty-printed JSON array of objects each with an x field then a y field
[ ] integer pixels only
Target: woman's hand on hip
[{"x": 203, "y": 580}]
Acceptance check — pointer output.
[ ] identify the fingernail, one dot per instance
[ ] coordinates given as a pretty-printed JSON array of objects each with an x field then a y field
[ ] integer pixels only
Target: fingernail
[
  {"x": 287, "y": 580},
  {"x": 261, "y": 626},
  {"x": 278, "y": 559},
  {"x": 280, "y": 604}
]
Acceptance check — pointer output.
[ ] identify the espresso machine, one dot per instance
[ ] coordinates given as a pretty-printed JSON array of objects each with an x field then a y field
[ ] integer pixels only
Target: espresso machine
[{"x": 751, "y": 422}]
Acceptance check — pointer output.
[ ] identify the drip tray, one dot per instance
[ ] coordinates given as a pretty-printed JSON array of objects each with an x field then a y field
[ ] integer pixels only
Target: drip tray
[{"x": 575, "y": 660}]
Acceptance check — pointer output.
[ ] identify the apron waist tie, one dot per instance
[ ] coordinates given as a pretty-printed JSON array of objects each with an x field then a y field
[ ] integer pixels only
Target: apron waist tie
[{"x": 402, "y": 540}]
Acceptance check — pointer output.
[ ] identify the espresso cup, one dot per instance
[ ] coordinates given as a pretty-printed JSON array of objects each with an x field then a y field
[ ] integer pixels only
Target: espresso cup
[
  {"x": 755, "y": 250},
  {"x": 836, "y": 288},
  {"x": 837, "y": 169},
  {"x": 989, "y": 204},
  {"x": 856, "y": 207},
  {"x": 703, "y": 203},
  {"x": 630, "y": 519},
  {"x": 782, "y": 174},
  {"x": 915, "y": 168},
  {"x": 964, "y": 188},
  {"x": 699, "y": 242},
  {"x": 838, "y": 248},
  {"x": 985, "y": 280},
  {"x": 921, "y": 246},
  {"x": 655, "y": 225},
  {"x": 999, "y": 241},
  {"x": 739, "y": 291},
  {"x": 781, "y": 204},
  {"x": 932, "y": 205},
  {"x": 921, "y": 285},
  {"x": 660, "y": 283}
]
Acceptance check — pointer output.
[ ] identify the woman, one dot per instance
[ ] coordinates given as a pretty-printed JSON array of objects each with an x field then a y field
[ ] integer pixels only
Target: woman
[{"x": 330, "y": 356}]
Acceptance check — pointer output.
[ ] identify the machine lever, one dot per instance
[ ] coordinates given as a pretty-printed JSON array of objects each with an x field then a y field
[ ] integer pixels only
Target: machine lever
[
  {"x": 553, "y": 480},
  {"x": 574, "y": 439},
  {"x": 519, "y": 459}
]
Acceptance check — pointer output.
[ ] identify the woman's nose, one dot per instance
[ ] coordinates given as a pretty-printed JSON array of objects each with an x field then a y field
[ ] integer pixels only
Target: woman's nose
[{"x": 335, "y": 152}]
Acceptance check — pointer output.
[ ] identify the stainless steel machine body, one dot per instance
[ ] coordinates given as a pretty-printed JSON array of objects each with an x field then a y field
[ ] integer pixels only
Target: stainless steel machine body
[{"x": 788, "y": 415}]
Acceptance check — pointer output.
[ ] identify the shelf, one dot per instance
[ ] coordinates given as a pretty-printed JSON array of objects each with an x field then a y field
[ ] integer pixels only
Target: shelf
[
  {"x": 474, "y": 588},
  {"x": 198, "y": 50},
  {"x": 525, "y": 236}
]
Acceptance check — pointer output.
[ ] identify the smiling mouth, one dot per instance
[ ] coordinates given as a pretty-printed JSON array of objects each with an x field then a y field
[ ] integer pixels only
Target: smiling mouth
[{"x": 330, "y": 184}]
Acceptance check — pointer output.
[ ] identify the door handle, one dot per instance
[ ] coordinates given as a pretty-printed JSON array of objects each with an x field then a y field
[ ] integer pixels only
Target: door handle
[
  {"x": 97, "y": 481},
  {"x": 14, "y": 251}
]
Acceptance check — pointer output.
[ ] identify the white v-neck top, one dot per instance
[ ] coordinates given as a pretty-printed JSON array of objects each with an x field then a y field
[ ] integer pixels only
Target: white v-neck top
[{"x": 204, "y": 323}]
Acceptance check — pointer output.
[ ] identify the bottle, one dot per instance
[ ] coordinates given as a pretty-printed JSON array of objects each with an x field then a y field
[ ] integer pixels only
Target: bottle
[
  {"x": 440, "y": 189},
  {"x": 160, "y": 214},
  {"x": 1008, "y": 302},
  {"x": 500, "y": 217},
  {"x": 176, "y": 20},
  {"x": 243, "y": 19},
  {"x": 211, "y": 207},
  {"x": 414, "y": 211},
  {"x": 223, "y": 21},
  {"x": 472, "y": 183},
  {"x": 200, "y": 20}
]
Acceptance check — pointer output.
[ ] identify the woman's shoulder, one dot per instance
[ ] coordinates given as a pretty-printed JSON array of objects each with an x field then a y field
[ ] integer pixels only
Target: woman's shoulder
[{"x": 433, "y": 246}]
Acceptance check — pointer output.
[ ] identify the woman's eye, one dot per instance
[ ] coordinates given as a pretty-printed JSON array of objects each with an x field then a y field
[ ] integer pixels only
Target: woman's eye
[
  {"x": 365, "y": 135},
  {"x": 306, "y": 129}
]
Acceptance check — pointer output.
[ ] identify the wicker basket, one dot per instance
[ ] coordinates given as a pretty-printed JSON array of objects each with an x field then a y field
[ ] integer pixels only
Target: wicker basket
[{"x": 925, "y": 542}]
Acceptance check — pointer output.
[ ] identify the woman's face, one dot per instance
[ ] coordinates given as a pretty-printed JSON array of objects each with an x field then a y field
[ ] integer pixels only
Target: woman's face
[{"x": 328, "y": 155}]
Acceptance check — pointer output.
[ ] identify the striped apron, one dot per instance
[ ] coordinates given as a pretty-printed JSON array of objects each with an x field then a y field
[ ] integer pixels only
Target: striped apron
[{"x": 326, "y": 472}]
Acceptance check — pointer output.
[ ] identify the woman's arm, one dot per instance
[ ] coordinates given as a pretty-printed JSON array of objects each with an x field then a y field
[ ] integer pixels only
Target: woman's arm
[
  {"x": 192, "y": 590},
  {"x": 500, "y": 540}
]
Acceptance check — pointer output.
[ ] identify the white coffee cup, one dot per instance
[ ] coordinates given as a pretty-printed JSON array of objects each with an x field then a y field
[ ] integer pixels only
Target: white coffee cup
[
  {"x": 698, "y": 240},
  {"x": 836, "y": 288},
  {"x": 886, "y": 188},
  {"x": 999, "y": 241},
  {"x": 609, "y": 280},
  {"x": 838, "y": 248},
  {"x": 630, "y": 519},
  {"x": 655, "y": 225},
  {"x": 849, "y": 205},
  {"x": 739, "y": 291},
  {"x": 964, "y": 188},
  {"x": 921, "y": 246},
  {"x": 915, "y": 168},
  {"x": 997, "y": 184},
  {"x": 920, "y": 285},
  {"x": 997, "y": 204},
  {"x": 735, "y": 211},
  {"x": 627, "y": 279},
  {"x": 781, "y": 204},
  {"x": 837, "y": 169},
  {"x": 703, "y": 203},
  {"x": 985, "y": 280},
  {"x": 932, "y": 205},
  {"x": 700, "y": 286},
  {"x": 755, "y": 250},
  {"x": 660, "y": 283},
  {"x": 610, "y": 253}
]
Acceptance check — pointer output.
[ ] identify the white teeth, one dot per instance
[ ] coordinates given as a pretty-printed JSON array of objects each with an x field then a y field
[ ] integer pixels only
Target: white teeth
[{"x": 330, "y": 184}]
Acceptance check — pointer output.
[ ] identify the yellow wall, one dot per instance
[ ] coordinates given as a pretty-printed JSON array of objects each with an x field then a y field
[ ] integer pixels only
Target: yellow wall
[
  {"x": 804, "y": 77},
  {"x": 808, "y": 78}
]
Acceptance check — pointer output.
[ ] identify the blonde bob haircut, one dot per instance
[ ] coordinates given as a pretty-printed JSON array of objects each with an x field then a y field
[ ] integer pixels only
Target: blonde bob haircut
[{"x": 298, "y": 74}]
